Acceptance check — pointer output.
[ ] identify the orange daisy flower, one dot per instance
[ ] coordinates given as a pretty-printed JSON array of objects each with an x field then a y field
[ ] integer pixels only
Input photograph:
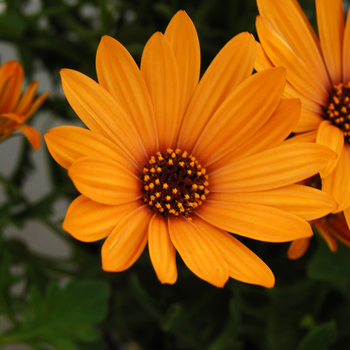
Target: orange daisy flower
[
  {"x": 176, "y": 163},
  {"x": 318, "y": 73},
  {"x": 14, "y": 109},
  {"x": 330, "y": 227}
]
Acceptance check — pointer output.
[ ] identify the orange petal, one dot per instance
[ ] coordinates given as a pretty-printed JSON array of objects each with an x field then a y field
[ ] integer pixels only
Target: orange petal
[
  {"x": 183, "y": 39},
  {"x": 105, "y": 181},
  {"x": 276, "y": 167},
  {"x": 271, "y": 134},
  {"x": 14, "y": 116},
  {"x": 198, "y": 252},
  {"x": 330, "y": 241},
  {"x": 298, "y": 248},
  {"x": 332, "y": 137},
  {"x": 69, "y": 143},
  {"x": 241, "y": 115},
  {"x": 127, "y": 241},
  {"x": 347, "y": 216},
  {"x": 299, "y": 73},
  {"x": 303, "y": 201},
  {"x": 261, "y": 61},
  {"x": 118, "y": 73},
  {"x": 306, "y": 102},
  {"x": 13, "y": 72},
  {"x": 101, "y": 113},
  {"x": 159, "y": 69},
  {"x": 337, "y": 184},
  {"x": 243, "y": 264},
  {"x": 162, "y": 250},
  {"x": 231, "y": 66},
  {"x": 309, "y": 120},
  {"x": 337, "y": 226},
  {"x": 89, "y": 221},
  {"x": 27, "y": 98},
  {"x": 346, "y": 50},
  {"x": 289, "y": 22},
  {"x": 330, "y": 23},
  {"x": 36, "y": 104},
  {"x": 255, "y": 221},
  {"x": 305, "y": 137},
  {"x": 31, "y": 134}
]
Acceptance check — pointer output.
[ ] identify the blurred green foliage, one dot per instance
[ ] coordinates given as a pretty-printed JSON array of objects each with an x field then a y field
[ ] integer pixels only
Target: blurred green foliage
[{"x": 308, "y": 309}]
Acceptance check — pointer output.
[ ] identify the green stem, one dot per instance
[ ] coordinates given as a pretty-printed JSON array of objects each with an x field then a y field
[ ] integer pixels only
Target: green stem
[{"x": 6, "y": 309}]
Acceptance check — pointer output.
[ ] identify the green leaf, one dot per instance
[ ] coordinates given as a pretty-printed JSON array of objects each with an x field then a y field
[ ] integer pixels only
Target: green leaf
[
  {"x": 228, "y": 338},
  {"x": 320, "y": 337},
  {"x": 12, "y": 26},
  {"x": 63, "y": 316},
  {"x": 328, "y": 266},
  {"x": 175, "y": 318}
]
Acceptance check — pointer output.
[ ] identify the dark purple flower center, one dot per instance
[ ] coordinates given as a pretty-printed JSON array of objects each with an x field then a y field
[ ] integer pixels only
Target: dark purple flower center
[{"x": 174, "y": 183}]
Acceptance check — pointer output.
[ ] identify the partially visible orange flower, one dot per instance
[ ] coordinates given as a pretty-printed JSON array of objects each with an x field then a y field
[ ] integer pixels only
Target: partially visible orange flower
[
  {"x": 318, "y": 73},
  {"x": 330, "y": 227},
  {"x": 176, "y": 162},
  {"x": 14, "y": 109}
]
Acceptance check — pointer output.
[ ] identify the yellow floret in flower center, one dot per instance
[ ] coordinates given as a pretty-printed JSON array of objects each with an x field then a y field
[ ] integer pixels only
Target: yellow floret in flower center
[
  {"x": 338, "y": 109},
  {"x": 174, "y": 183}
]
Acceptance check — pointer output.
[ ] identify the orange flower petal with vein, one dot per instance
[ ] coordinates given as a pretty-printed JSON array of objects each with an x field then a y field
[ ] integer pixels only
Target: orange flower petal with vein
[
  {"x": 232, "y": 65},
  {"x": 305, "y": 202},
  {"x": 271, "y": 134},
  {"x": 14, "y": 109},
  {"x": 198, "y": 251},
  {"x": 31, "y": 134},
  {"x": 162, "y": 250},
  {"x": 318, "y": 73},
  {"x": 69, "y": 143},
  {"x": 142, "y": 166},
  {"x": 337, "y": 184},
  {"x": 101, "y": 115},
  {"x": 127, "y": 240},
  {"x": 90, "y": 221},
  {"x": 332, "y": 137},
  {"x": 242, "y": 263},
  {"x": 267, "y": 169},
  {"x": 160, "y": 71},
  {"x": 330, "y": 20},
  {"x": 183, "y": 39},
  {"x": 224, "y": 131},
  {"x": 96, "y": 179},
  {"x": 298, "y": 248},
  {"x": 129, "y": 90},
  {"x": 254, "y": 221}
]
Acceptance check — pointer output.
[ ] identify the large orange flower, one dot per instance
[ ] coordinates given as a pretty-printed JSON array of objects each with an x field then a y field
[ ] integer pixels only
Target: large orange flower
[
  {"x": 14, "y": 109},
  {"x": 177, "y": 163},
  {"x": 318, "y": 72}
]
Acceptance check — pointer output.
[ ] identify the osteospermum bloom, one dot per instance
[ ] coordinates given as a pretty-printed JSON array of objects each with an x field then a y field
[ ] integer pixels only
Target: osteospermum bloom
[
  {"x": 318, "y": 72},
  {"x": 176, "y": 163},
  {"x": 14, "y": 109},
  {"x": 330, "y": 227}
]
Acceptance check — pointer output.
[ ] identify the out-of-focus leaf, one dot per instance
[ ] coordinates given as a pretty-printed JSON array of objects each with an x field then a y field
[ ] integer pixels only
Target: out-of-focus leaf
[
  {"x": 320, "y": 337},
  {"x": 142, "y": 296},
  {"x": 282, "y": 328},
  {"x": 293, "y": 295},
  {"x": 328, "y": 266},
  {"x": 175, "y": 318},
  {"x": 12, "y": 26},
  {"x": 228, "y": 338},
  {"x": 62, "y": 316}
]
